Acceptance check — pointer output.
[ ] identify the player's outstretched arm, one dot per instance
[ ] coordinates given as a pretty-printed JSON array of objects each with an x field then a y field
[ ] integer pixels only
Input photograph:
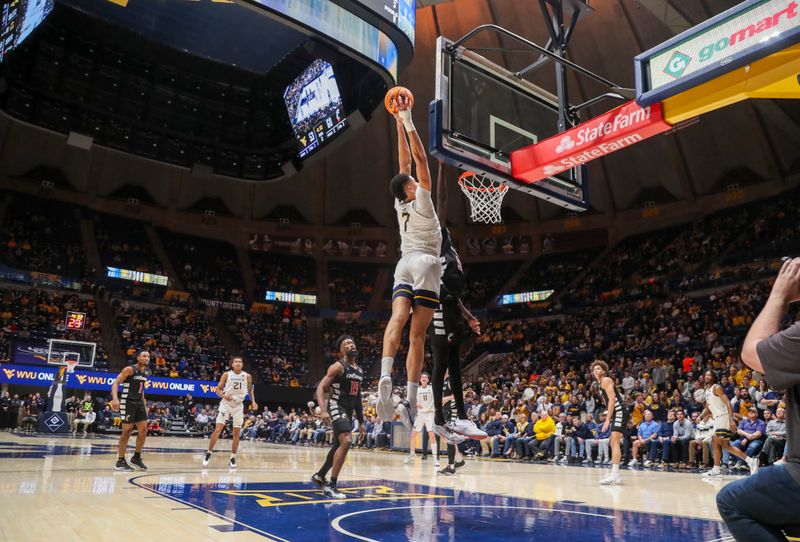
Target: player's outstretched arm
[
  {"x": 403, "y": 152},
  {"x": 417, "y": 148}
]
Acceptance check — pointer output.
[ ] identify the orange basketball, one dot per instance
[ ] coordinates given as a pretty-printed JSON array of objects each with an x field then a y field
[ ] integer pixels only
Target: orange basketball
[{"x": 390, "y": 101}]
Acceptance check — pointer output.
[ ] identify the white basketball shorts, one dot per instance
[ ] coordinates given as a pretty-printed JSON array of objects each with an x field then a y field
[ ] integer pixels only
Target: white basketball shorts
[
  {"x": 417, "y": 277},
  {"x": 226, "y": 410}
]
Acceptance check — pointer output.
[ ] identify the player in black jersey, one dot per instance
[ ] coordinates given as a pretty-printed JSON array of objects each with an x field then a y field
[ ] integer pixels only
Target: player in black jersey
[
  {"x": 132, "y": 408},
  {"x": 454, "y": 458},
  {"x": 343, "y": 379},
  {"x": 617, "y": 418},
  {"x": 448, "y": 330}
]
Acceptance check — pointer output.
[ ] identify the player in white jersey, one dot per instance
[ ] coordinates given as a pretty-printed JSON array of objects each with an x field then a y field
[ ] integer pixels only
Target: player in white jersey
[
  {"x": 423, "y": 421},
  {"x": 233, "y": 387},
  {"x": 417, "y": 275},
  {"x": 724, "y": 425}
]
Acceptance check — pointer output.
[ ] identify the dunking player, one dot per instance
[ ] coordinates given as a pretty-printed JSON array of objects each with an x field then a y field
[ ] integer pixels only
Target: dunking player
[
  {"x": 416, "y": 277},
  {"x": 423, "y": 421},
  {"x": 719, "y": 408},
  {"x": 232, "y": 387},
  {"x": 132, "y": 408},
  {"x": 344, "y": 380},
  {"x": 448, "y": 331},
  {"x": 617, "y": 418}
]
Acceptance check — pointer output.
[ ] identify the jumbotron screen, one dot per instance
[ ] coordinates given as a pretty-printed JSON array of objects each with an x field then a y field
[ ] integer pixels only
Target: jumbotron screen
[
  {"x": 18, "y": 18},
  {"x": 315, "y": 107},
  {"x": 401, "y": 13}
]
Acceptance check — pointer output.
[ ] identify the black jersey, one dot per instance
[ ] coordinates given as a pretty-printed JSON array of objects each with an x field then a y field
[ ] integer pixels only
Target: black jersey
[
  {"x": 133, "y": 386},
  {"x": 453, "y": 285},
  {"x": 346, "y": 390},
  {"x": 618, "y": 394}
]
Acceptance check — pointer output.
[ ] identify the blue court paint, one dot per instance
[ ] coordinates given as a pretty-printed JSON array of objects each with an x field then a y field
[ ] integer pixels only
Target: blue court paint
[
  {"x": 383, "y": 510},
  {"x": 16, "y": 450}
]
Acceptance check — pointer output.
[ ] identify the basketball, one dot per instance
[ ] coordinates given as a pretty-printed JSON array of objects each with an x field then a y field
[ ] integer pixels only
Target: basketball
[{"x": 390, "y": 101}]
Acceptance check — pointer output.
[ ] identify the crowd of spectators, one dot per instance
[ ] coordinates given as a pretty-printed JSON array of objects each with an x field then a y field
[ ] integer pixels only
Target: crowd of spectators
[
  {"x": 351, "y": 285},
  {"x": 43, "y": 235},
  {"x": 362, "y": 249},
  {"x": 39, "y": 314},
  {"x": 283, "y": 273},
  {"x": 275, "y": 344},
  {"x": 485, "y": 280},
  {"x": 208, "y": 268},
  {"x": 555, "y": 271},
  {"x": 261, "y": 242},
  {"x": 183, "y": 343},
  {"x": 490, "y": 246},
  {"x": 123, "y": 243}
]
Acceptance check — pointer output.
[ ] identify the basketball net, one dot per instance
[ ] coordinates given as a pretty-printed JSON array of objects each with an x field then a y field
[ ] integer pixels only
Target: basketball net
[
  {"x": 71, "y": 364},
  {"x": 485, "y": 196}
]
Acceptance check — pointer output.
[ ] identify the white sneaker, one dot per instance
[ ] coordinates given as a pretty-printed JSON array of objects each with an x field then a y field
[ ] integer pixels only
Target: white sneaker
[
  {"x": 633, "y": 462},
  {"x": 648, "y": 463},
  {"x": 408, "y": 459},
  {"x": 752, "y": 462},
  {"x": 206, "y": 459},
  {"x": 779, "y": 462},
  {"x": 466, "y": 428},
  {"x": 611, "y": 480},
  {"x": 384, "y": 407},
  {"x": 713, "y": 472},
  {"x": 436, "y": 464},
  {"x": 448, "y": 435}
]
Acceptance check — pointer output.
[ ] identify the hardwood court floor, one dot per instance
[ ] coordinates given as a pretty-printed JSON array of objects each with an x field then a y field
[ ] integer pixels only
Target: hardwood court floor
[{"x": 66, "y": 489}]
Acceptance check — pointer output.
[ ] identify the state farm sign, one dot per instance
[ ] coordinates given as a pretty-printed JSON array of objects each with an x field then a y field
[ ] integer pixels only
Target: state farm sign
[{"x": 612, "y": 131}]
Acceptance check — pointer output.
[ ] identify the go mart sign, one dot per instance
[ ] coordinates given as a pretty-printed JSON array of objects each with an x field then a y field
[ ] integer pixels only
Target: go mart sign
[{"x": 752, "y": 30}]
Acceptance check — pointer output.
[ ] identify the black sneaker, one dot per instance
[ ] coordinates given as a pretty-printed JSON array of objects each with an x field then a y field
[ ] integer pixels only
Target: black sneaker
[
  {"x": 424, "y": 457},
  {"x": 331, "y": 491},
  {"x": 123, "y": 465},
  {"x": 319, "y": 480},
  {"x": 458, "y": 464},
  {"x": 449, "y": 470},
  {"x": 232, "y": 463},
  {"x": 137, "y": 462},
  {"x": 206, "y": 459}
]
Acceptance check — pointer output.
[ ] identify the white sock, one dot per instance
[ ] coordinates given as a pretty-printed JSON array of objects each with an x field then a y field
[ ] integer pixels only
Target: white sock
[
  {"x": 614, "y": 469},
  {"x": 386, "y": 366},
  {"x": 412, "y": 393},
  {"x": 233, "y": 455},
  {"x": 434, "y": 449}
]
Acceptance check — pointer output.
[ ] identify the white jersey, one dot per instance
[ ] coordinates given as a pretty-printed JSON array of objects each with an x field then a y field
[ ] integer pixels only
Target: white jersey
[
  {"x": 425, "y": 400},
  {"x": 715, "y": 404},
  {"x": 419, "y": 226},
  {"x": 236, "y": 387}
]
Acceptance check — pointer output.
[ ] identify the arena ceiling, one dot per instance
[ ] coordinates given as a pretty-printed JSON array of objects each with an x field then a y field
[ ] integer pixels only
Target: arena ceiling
[{"x": 748, "y": 143}]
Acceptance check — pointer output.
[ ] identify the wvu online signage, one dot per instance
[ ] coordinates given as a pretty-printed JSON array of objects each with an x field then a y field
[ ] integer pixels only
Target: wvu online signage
[{"x": 26, "y": 375}]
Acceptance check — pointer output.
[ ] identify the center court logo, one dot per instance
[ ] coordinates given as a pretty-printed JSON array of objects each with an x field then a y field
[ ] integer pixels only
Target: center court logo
[{"x": 677, "y": 64}]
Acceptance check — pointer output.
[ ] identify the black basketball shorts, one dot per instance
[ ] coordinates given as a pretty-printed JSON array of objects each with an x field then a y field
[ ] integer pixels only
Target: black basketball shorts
[{"x": 132, "y": 412}]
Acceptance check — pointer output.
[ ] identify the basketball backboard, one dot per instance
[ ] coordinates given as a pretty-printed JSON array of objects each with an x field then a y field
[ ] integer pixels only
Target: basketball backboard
[{"x": 482, "y": 112}]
